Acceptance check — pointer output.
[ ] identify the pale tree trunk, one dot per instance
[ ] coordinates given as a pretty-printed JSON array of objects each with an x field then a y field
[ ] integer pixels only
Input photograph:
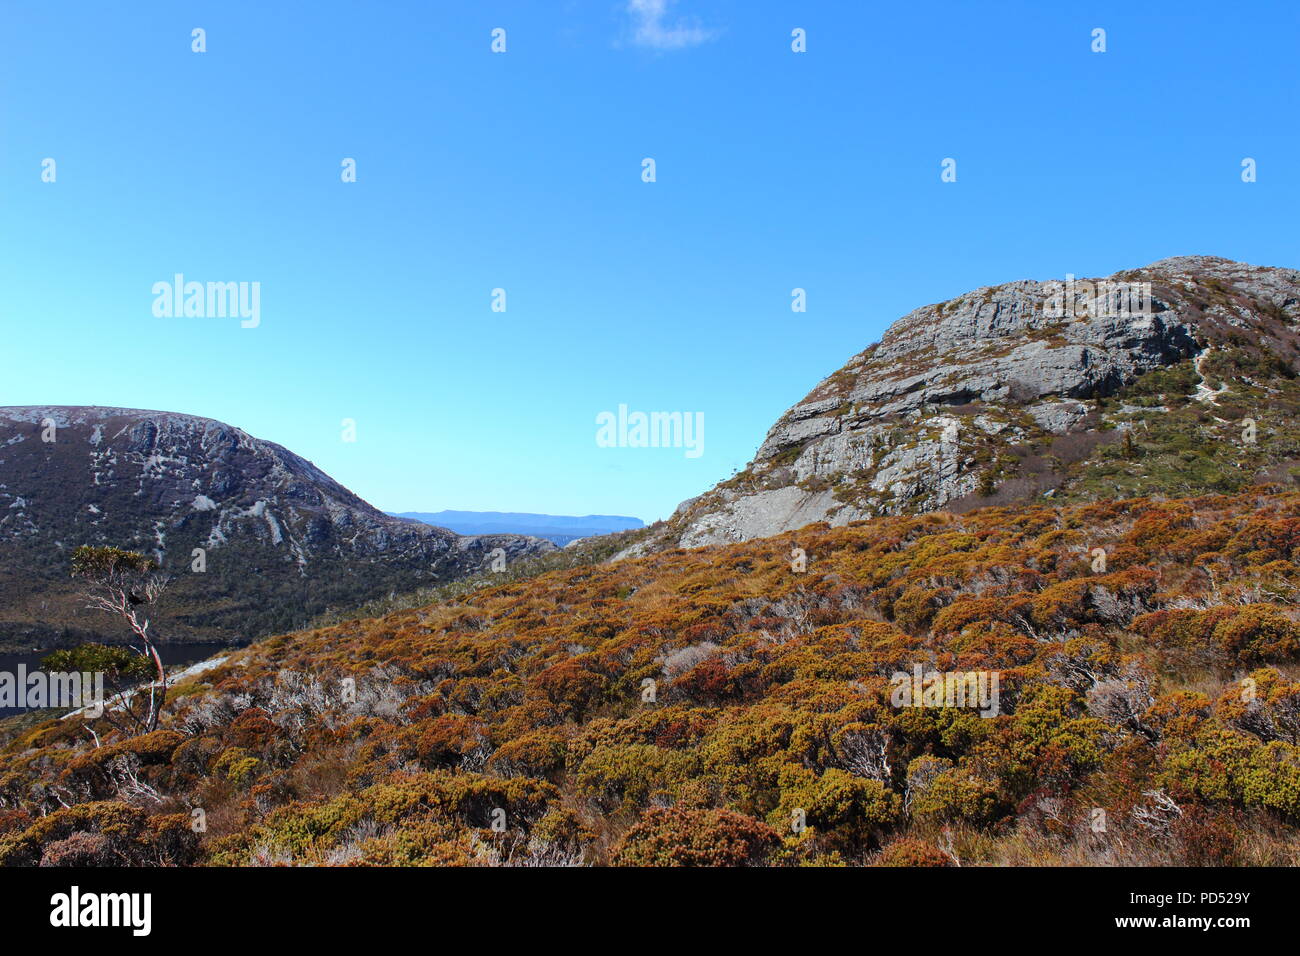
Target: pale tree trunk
[{"x": 118, "y": 601}]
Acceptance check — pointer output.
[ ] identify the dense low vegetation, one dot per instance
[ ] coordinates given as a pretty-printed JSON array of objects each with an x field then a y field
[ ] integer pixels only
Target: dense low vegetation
[{"x": 721, "y": 707}]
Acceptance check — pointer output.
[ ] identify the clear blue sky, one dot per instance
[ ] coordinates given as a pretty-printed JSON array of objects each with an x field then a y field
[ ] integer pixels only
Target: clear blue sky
[{"x": 522, "y": 170}]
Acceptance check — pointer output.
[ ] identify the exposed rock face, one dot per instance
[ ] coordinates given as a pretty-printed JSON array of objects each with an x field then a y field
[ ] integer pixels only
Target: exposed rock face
[
  {"x": 908, "y": 425},
  {"x": 282, "y": 540}
]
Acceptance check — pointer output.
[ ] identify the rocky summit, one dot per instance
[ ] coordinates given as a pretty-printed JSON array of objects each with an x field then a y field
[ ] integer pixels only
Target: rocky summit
[
  {"x": 1174, "y": 379},
  {"x": 280, "y": 541}
]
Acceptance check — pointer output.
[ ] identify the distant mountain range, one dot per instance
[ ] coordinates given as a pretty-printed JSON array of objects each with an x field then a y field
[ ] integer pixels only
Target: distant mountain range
[
  {"x": 561, "y": 529},
  {"x": 282, "y": 541}
]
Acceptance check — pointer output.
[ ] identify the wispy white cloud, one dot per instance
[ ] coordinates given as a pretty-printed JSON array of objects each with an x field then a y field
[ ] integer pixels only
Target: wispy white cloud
[{"x": 651, "y": 28}]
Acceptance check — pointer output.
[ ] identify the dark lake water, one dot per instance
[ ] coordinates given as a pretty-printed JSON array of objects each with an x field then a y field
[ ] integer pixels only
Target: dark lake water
[{"x": 173, "y": 655}]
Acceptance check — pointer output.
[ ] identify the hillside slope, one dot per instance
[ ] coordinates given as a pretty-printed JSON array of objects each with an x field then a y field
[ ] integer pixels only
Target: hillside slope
[
  {"x": 282, "y": 540},
  {"x": 1148, "y": 710},
  {"x": 1023, "y": 390}
]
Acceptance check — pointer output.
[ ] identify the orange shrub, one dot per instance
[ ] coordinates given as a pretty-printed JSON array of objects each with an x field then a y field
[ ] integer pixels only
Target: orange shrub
[{"x": 678, "y": 837}]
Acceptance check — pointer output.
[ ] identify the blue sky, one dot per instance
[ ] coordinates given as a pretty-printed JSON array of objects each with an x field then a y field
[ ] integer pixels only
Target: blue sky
[{"x": 523, "y": 171}]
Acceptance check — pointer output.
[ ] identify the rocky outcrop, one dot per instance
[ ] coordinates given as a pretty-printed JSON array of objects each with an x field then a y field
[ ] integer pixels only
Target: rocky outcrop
[
  {"x": 281, "y": 541},
  {"x": 915, "y": 422}
]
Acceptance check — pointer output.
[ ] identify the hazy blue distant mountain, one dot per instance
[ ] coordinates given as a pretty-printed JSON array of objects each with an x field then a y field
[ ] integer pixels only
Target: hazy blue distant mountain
[{"x": 560, "y": 529}]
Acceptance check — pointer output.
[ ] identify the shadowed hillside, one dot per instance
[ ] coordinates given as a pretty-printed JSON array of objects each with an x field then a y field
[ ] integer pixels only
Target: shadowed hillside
[{"x": 281, "y": 541}]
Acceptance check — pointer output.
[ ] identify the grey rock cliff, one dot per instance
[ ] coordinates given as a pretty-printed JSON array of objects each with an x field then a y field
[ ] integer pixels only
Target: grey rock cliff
[{"x": 899, "y": 428}]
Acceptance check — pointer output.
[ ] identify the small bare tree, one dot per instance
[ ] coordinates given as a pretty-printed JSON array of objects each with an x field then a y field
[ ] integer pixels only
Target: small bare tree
[
  {"x": 124, "y": 584},
  {"x": 865, "y": 752},
  {"x": 122, "y": 667}
]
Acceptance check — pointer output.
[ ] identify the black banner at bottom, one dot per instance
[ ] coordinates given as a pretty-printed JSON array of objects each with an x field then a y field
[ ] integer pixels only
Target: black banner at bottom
[{"x": 130, "y": 907}]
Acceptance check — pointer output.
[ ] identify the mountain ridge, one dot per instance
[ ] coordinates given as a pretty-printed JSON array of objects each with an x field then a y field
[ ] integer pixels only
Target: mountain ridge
[{"x": 282, "y": 541}]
